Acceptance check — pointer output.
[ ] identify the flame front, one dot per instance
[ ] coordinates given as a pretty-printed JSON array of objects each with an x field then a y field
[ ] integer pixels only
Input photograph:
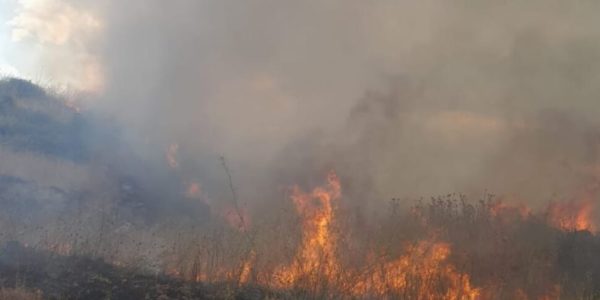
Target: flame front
[
  {"x": 423, "y": 272},
  {"x": 326, "y": 262},
  {"x": 316, "y": 257},
  {"x": 573, "y": 215}
]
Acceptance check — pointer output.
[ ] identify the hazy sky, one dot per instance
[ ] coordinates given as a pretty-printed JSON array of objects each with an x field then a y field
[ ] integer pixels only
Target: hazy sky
[
  {"x": 48, "y": 41},
  {"x": 8, "y": 57}
]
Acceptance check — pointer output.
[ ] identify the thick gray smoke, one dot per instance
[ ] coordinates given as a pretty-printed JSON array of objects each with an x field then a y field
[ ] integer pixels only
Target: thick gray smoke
[{"x": 402, "y": 98}]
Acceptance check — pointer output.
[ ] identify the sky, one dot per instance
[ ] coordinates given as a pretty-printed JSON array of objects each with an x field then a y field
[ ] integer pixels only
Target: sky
[
  {"x": 7, "y": 47},
  {"x": 47, "y": 41}
]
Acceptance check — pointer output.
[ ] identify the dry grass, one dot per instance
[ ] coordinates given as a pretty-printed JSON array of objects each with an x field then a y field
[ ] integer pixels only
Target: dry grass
[{"x": 505, "y": 254}]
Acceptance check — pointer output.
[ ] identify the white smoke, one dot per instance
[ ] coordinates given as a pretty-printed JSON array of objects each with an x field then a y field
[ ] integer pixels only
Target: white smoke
[{"x": 476, "y": 90}]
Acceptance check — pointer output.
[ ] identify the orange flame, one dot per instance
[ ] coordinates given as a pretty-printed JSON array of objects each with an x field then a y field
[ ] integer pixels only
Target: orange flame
[
  {"x": 246, "y": 271},
  {"x": 418, "y": 274},
  {"x": 573, "y": 215},
  {"x": 317, "y": 252}
]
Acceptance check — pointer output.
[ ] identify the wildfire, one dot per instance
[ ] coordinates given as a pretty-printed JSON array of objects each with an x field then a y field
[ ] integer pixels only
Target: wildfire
[
  {"x": 573, "y": 215},
  {"x": 246, "y": 271},
  {"x": 423, "y": 272},
  {"x": 409, "y": 269},
  {"x": 418, "y": 274},
  {"x": 316, "y": 255}
]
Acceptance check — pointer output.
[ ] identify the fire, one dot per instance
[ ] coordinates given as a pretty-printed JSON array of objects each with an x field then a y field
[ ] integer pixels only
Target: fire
[
  {"x": 316, "y": 256},
  {"x": 423, "y": 272},
  {"x": 246, "y": 272},
  {"x": 410, "y": 269},
  {"x": 575, "y": 215},
  {"x": 419, "y": 274}
]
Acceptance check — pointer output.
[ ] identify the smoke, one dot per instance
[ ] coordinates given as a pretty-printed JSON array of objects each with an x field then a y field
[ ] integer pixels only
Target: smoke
[
  {"x": 56, "y": 41},
  {"x": 403, "y": 98}
]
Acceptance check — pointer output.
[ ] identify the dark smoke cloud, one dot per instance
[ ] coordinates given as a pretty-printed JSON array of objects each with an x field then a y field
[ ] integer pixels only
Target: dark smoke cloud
[{"x": 403, "y": 98}]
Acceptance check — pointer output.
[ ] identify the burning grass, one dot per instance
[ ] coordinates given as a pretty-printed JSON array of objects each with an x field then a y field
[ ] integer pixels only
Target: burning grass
[
  {"x": 448, "y": 248},
  {"x": 483, "y": 250}
]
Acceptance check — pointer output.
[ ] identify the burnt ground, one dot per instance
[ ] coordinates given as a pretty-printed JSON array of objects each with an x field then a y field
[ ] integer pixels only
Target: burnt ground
[{"x": 74, "y": 277}]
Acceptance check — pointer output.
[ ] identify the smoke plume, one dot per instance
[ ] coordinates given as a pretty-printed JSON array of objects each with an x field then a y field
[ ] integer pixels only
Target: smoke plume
[{"x": 402, "y": 98}]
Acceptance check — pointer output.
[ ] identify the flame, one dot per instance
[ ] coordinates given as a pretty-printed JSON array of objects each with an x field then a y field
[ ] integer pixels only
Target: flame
[
  {"x": 246, "y": 271},
  {"x": 316, "y": 256},
  {"x": 575, "y": 215},
  {"x": 419, "y": 273}
]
